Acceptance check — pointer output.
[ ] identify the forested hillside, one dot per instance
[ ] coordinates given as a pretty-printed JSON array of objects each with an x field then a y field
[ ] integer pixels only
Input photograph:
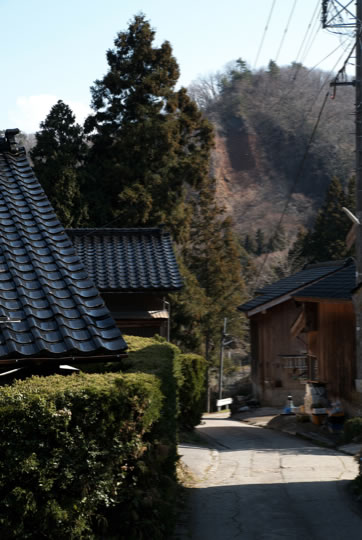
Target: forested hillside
[
  {"x": 264, "y": 122},
  {"x": 272, "y": 140}
]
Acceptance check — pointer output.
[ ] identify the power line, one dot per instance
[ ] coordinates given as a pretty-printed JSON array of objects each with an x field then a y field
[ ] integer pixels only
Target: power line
[
  {"x": 264, "y": 33},
  {"x": 286, "y": 30},
  {"x": 312, "y": 38},
  {"x": 307, "y": 31},
  {"x": 330, "y": 54},
  {"x": 296, "y": 179}
]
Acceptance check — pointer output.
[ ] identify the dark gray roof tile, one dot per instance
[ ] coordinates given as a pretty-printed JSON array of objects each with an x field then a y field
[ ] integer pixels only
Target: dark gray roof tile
[
  {"x": 128, "y": 259},
  {"x": 291, "y": 284},
  {"x": 42, "y": 280},
  {"x": 337, "y": 286}
]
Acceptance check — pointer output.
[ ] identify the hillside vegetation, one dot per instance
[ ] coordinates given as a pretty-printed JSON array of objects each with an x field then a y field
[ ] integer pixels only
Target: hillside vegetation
[
  {"x": 264, "y": 121},
  {"x": 144, "y": 156}
]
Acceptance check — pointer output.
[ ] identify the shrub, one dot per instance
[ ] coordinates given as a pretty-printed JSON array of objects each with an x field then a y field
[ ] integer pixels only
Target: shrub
[
  {"x": 76, "y": 452},
  {"x": 162, "y": 360},
  {"x": 353, "y": 429},
  {"x": 192, "y": 392}
]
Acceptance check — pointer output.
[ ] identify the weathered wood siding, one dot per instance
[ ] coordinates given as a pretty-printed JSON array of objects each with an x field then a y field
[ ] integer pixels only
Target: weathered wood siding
[
  {"x": 271, "y": 338},
  {"x": 334, "y": 345}
]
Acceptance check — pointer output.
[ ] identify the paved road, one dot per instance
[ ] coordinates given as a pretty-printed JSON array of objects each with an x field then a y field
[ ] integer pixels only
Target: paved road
[{"x": 259, "y": 484}]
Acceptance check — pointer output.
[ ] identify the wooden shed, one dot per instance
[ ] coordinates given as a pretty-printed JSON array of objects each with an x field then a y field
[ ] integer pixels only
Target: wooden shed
[
  {"x": 303, "y": 328},
  {"x": 331, "y": 330}
]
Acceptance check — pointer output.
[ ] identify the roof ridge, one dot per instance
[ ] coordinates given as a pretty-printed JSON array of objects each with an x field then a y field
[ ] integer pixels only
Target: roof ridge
[
  {"x": 118, "y": 230},
  {"x": 340, "y": 262}
]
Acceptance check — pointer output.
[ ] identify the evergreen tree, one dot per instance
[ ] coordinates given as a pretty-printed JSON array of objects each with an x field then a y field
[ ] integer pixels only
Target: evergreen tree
[
  {"x": 327, "y": 240},
  {"x": 214, "y": 257},
  {"x": 350, "y": 201},
  {"x": 58, "y": 157},
  {"x": 149, "y": 141},
  {"x": 273, "y": 69},
  {"x": 278, "y": 240},
  {"x": 249, "y": 244},
  {"x": 189, "y": 307},
  {"x": 296, "y": 257},
  {"x": 260, "y": 242}
]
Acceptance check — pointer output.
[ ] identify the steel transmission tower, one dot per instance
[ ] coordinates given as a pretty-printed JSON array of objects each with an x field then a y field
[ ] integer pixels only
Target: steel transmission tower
[{"x": 344, "y": 17}]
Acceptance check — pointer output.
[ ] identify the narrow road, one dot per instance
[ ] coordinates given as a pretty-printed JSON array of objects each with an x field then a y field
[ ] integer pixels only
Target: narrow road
[{"x": 259, "y": 484}]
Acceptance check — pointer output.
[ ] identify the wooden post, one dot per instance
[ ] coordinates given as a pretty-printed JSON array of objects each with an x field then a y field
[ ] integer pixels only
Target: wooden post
[{"x": 221, "y": 368}]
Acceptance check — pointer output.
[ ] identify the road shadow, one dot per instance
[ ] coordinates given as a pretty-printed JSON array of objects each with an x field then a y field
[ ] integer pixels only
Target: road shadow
[
  {"x": 275, "y": 511},
  {"x": 239, "y": 436}
]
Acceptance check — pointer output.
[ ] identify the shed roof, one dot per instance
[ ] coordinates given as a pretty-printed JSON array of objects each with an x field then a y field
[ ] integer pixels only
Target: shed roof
[
  {"x": 286, "y": 287},
  {"x": 336, "y": 286},
  {"x": 43, "y": 283},
  {"x": 124, "y": 260}
]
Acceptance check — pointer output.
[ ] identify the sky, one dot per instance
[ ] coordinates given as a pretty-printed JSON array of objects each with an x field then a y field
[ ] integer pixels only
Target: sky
[{"x": 53, "y": 49}]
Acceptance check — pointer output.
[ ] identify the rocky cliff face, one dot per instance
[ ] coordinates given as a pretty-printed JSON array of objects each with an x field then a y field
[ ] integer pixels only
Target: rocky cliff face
[
  {"x": 252, "y": 191},
  {"x": 263, "y": 127}
]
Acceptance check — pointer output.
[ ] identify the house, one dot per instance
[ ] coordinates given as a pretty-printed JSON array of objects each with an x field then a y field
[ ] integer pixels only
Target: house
[
  {"x": 50, "y": 311},
  {"x": 134, "y": 269},
  {"x": 303, "y": 328}
]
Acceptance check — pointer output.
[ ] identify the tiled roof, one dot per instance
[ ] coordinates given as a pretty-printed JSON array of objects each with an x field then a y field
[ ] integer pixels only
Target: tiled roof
[
  {"x": 140, "y": 259},
  {"x": 43, "y": 283},
  {"x": 291, "y": 284},
  {"x": 337, "y": 286}
]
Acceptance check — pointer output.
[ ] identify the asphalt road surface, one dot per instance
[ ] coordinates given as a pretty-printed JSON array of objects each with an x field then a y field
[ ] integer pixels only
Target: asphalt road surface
[{"x": 260, "y": 484}]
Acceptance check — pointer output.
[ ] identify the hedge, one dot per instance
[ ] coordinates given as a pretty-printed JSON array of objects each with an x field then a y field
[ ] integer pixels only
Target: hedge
[
  {"x": 182, "y": 379},
  {"x": 78, "y": 459},
  {"x": 192, "y": 391},
  {"x": 147, "y": 355}
]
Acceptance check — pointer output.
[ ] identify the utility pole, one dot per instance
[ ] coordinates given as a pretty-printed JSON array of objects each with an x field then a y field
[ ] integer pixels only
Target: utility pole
[
  {"x": 357, "y": 301},
  {"x": 341, "y": 16},
  {"x": 221, "y": 367}
]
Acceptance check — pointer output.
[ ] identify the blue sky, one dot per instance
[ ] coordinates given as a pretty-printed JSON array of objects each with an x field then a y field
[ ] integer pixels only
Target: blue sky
[{"x": 53, "y": 49}]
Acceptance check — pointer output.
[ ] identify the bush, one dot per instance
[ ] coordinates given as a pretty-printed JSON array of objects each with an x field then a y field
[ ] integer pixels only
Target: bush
[
  {"x": 147, "y": 355},
  {"x": 79, "y": 460},
  {"x": 353, "y": 429},
  {"x": 192, "y": 392}
]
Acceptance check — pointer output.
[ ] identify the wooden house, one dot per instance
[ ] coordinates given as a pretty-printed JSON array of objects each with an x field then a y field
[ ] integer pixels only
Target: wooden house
[
  {"x": 303, "y": 328},
  {"x": 134, "y": 269}
]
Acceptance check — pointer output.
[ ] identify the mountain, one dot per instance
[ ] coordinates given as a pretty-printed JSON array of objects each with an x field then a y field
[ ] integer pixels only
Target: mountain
[{"x": 265, "y": 154}]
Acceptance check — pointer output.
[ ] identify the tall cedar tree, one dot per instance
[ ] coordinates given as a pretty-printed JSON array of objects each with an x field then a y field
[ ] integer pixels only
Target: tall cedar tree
[
  {"x": 214, "y": 257},
  {"x": 58, "y": 157},
  {"x": 327, "y": 240},
  {"x": 149, "y": 141}
]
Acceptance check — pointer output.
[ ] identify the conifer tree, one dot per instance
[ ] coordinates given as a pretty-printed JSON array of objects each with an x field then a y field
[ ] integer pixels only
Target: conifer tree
[
  {"x": 327, "y": 240},
  {"x": 249, "y": 244},
  {"x": 149, "y": 140},
  {"x": 296, "y": 257},
  {"x": 58, "y": 157},
  {"x": 260, "y": 242},
  {"x": 214, "y": 258},
  {"x": 278, "y": 240}
]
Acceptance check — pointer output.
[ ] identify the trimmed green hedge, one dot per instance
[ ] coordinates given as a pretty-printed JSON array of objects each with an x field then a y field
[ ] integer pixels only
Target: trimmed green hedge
[
  {"x": 192, "y": 392},
  {"x": 182, "y": 379},
  {"x": 78, "y": 458},
  {"x": 147, "y": 355}
]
